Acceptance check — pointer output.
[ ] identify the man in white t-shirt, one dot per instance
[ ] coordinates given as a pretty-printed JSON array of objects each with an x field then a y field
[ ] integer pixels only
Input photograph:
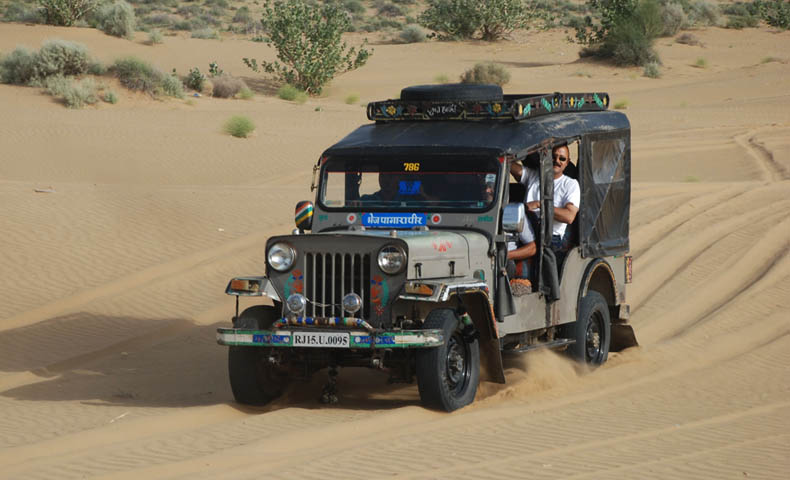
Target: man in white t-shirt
[{"x": 567, "y": 194}]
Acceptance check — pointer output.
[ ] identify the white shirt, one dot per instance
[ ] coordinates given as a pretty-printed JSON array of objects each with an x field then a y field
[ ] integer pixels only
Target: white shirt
[
  {"x": 525, "y": 236},
  {"x": 566, "y": 190}
]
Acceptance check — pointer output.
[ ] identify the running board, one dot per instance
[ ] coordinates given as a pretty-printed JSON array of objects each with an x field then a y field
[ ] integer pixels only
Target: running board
[{"x": 561, "y": 342}]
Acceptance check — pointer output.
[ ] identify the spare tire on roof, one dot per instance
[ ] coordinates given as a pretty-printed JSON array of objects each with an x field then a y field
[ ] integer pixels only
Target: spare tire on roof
[{"x": 462, "y": 92}]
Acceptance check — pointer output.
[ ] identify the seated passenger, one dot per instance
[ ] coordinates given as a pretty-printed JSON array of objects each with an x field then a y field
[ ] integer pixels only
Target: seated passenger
[
  {"x": 567, "y": 196},
  {"x": 519, "y": 260}
]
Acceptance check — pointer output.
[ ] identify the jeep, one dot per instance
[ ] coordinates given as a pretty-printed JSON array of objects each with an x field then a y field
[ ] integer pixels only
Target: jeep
[{"x": 400, "y": 263}]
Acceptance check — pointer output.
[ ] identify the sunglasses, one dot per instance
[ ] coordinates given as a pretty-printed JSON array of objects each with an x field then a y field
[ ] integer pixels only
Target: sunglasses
[{"x": 560, "y": 158}]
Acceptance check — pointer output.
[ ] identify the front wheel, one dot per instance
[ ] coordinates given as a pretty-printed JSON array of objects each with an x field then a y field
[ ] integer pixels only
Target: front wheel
[
  {"x": 592, "y": 330},
  {"x": 448, "y": 375},
  {"x": 253, "y": 378}
]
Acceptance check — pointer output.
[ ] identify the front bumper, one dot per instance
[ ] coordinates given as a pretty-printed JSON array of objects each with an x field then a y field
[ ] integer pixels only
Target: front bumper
[{"x": 357, "y": 339}]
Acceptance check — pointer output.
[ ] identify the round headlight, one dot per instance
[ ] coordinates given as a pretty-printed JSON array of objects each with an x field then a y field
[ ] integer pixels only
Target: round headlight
[
  {"x": 296, "y": 303},
  {"x": 352, "y": 303},
  {"x": 281, "y": 256},
  {"x": 392, "y": 259}
]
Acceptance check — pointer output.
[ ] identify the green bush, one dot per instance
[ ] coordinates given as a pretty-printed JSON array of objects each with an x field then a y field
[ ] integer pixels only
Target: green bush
[
  {"x": 18, "y": 67},
  {"x": 246, "y": 93},
  {"x": 490, "y": 19},
  {"x": 703, "y": 12},
  {"x": 738, "y": 22},
  {"x": 775, "y": 12},
  {"x": 351, "y": 99},
  {"x": 622, "y": 30},
  {"x": 242, "y": 15},
  {"x": 652, "y": 70},
  {"x": 73, "y": 94},
  {"x": 19, "y": 12},
  {"x": 701, "y": 63},
  {"x": 486, "y": 73},
  {"x": 310, "y": 50},
  {"x": 412, "y": 34},
  {"x": 117, "y": 19},
  {"x": 226, "y": 86},
  {"x": 353, "y": 6},
  {"x": 172, "y": 87},
  {"x": 155, "y": 37},
  {"x": 61, "y": 57},
  {"x": 65, "y": 12},
  {"x": 292, "y": 94},
  {"x": 239, "y": 126},
  {"x": 195, "y": 80},
  {"x": 674, "y": 19},
  {"x": 206, "y": 34},
  {"x": 388, "y": 9},
  {"x": 136, "y": 74},
  {"x": 110, "y": 97}
]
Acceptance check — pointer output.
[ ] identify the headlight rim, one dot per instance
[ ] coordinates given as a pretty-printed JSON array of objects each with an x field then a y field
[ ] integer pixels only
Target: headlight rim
[
  {"x": 285, "y": 246},
  {"x": 400, "y": 250}
]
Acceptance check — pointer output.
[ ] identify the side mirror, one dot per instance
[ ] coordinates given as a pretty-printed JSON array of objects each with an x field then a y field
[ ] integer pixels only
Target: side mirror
[
  {"x": 303, "y": 215},
  {"x": 513, "y": 217}
]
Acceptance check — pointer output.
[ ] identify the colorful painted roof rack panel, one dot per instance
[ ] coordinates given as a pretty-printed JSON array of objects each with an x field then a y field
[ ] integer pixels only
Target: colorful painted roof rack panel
[{"x": 510, "y": 108}]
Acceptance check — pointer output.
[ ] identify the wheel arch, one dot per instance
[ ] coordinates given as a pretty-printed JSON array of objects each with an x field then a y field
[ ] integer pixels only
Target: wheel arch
[
  {"x": 480, "y": 310},
  {"x": 599, "y": 276}
]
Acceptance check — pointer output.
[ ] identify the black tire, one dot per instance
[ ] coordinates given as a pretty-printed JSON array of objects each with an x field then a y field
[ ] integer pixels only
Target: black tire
[
  {"x": 452, "y": 91},
  {"x": 592, "y": 330},
  {"x": 253, "y": 379},
  {"x": 448, "y": 375}
]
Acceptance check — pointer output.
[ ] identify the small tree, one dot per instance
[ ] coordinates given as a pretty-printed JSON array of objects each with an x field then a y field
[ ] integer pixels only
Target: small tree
[
  {"x": 310, "y": 50},
  {"x": 491, "y": 19},
  {"x": 65, "y": 12}
]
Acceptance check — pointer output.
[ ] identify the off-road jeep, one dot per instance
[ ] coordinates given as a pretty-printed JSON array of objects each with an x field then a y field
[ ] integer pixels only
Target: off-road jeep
[{"x": 404, "y": 268}]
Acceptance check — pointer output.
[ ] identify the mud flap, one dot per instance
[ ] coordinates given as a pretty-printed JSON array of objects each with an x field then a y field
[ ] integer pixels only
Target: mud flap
[{"x": 622, "y": 337}]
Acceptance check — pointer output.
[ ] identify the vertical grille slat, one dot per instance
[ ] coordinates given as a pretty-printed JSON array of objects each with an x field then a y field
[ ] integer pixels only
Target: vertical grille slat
[{"x": 330, "y": 276}]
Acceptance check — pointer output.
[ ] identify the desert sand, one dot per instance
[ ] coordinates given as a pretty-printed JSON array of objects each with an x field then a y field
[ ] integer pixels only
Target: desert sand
[{"x": 112, "y": 284}]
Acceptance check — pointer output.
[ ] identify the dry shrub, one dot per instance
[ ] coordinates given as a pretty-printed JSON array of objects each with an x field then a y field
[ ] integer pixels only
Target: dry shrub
[
  {"x": 486, "y": 73},
  {"x": 688, "y": 39},
  {"x": 226, "y": 86}
]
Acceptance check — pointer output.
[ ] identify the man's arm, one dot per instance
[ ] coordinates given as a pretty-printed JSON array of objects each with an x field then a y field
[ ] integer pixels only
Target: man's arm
[
  {"x": 566, "y": 214},
  {"x": 522, "y": 252}
]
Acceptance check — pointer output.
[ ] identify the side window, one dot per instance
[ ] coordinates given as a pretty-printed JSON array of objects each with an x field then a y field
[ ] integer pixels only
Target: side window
[{"x": 607, "y": 160}]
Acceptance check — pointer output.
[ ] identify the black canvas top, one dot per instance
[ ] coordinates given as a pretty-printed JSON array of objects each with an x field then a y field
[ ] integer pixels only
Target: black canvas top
[{"x": 513, "y": 137}]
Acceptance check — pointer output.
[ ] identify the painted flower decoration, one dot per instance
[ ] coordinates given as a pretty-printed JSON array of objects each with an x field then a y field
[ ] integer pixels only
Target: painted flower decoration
[
  {"x": 391, "y": 110},
  {"x": 497, "y": 108}
]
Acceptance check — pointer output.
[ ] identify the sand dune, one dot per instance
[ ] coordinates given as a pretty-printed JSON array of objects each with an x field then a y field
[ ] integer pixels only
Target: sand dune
[{"x": 112, "y": 285}]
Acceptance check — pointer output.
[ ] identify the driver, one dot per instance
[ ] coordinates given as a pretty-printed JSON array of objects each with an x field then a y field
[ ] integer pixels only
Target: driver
[{"x": 567, "y": 195}]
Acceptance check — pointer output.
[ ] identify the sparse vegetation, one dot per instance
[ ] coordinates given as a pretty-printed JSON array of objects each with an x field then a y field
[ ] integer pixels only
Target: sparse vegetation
[
  {"x": 622, "y": 31},
  {"x": 412, "y": 34},
  {"x": 72, "y": 94},
  {"x": 490, "y": 20},
  {"x": 701, "y": 63},
  {"x": 56, "y": 57},
  {"x": 207, "y": 33},
  {"x": 292, "y": 94},
  {"x": 652, "y": 70},
  {"x": 239, "y": 126},
  {"x": 110, "y": 97},
  {"x": 195, "y": 80},
  {"x": 441, "y": 78},
  {"x": 65, "y": 12},
  {"x": 226, "y": 86},
  {"x": 117, "y": 19},
  {"x": 246, "y": 93},
  {"x": 352, "y": 98},
  {"x": 310, "y": 50},
  {"x": 136, "y": 74},
  {"x": 18, "y": 67},
  {"x": 688, "y": 39},
  {"x": 482, "y": 73},
  {"x": 155, "y": 37},
  {"x": 621, "y": 105},
  {"x": 770, "y": 59}
]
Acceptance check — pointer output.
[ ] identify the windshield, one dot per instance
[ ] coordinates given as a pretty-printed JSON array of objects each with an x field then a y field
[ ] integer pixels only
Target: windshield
[{"x": 409, "y": 183}]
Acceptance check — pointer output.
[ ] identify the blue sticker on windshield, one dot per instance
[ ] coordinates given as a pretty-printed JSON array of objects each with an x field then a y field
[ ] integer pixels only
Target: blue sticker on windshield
[
  {"x": 406, "y": 187},
  {"x": 390, "y": 220}
]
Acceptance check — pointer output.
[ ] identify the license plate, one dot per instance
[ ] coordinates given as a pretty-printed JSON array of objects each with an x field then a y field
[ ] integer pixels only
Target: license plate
[{"x": 321, "y": 339}]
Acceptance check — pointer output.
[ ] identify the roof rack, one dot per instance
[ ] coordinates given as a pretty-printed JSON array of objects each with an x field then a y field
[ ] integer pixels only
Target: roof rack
[{"x": 510, "y": 108}]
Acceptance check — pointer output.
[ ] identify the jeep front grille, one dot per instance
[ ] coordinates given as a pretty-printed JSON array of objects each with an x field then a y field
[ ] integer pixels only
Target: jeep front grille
[{"x": 328, "y": 277}]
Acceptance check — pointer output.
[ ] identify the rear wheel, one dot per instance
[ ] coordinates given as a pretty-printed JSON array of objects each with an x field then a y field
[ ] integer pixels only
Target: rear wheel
[
  {"x": 448, "y": 375},
  {"x": 253, "y": 378},
  {"x": 592, "y": 330}
]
